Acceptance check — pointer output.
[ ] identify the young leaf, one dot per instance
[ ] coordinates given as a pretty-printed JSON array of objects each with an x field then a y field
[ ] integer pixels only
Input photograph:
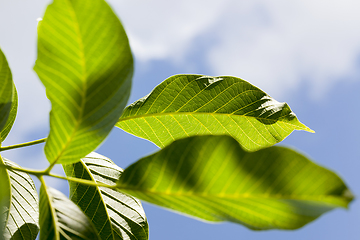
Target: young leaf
[
  {"x": 19, "y": 215},
  {"x": 85, "y": 62},
  {"x": 213, "y": 178},
  {"x": 114, "y": 214},
  {"x": 188, "y": 105},
  {"x": 60, "y": 218},
  {"x": 8, "y": 98}
]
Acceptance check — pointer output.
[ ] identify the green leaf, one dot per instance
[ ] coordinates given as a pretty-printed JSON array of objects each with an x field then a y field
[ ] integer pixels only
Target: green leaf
[
  {"x": 85, "y": 62},
  {"x": 60, "y": 218},
  {"x": 114, "y": 214},
  {"x": 214, "y": 179},
  {"x": 188, "y": 105},
  {"x": 5, "y": 197},
  {"x": 8, "y": 98},
  {"x": 19, "y": 212}
]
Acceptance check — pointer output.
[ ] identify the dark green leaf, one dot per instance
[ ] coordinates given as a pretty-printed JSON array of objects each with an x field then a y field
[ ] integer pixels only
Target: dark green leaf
[
  {"x": 60, "y": 218},
  {"x": 8, "y": 98},
  {"x": 212, "y": 178},
  {"x": 85, "y": 62},
  {"x": 188, "y": 105},
  {"x": 19, "y": 212},
  {"x": 114, "y": 214}
]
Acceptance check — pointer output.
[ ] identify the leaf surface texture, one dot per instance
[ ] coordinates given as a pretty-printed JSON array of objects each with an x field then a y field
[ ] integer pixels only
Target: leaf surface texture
[
  {"x": 214, "y": 179},
  {"x": 8, "y": 98},
  {"x": 60, "y": 218},
  {"x": 188, "y": 105},
  {"x": 19, "y": 212},
  {"x": 115, "y": 215},
  {"x": 84, "y": 61}
]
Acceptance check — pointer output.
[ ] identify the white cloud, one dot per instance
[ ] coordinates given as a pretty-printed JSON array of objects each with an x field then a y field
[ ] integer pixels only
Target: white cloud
[
  {"x": 18, "y": 41},
  {"x": 161, "y": 29},
  {"x": 273, "y": 44},
  {"x": 312, "y": 40}
]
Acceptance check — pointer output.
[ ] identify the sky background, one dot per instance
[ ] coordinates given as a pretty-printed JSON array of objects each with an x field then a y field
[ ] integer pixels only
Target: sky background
[{"x": 304, "y": 52}]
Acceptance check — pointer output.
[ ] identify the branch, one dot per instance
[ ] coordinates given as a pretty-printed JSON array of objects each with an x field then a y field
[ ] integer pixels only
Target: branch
[
  {"x": 22, "y": 144},
  {"x": 40, "y": 173}
]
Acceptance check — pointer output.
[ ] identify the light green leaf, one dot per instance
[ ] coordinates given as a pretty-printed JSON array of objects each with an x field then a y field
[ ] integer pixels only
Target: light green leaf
[
  {"x": 114, "y": 214},
  {"x": 19, "y": 208},
  {"x": 212, "y": 178},
  {"x": 60, "y": 218},
  {"x": 8, "y": 98},
  {"x": 85, "y": 62},
  {"x": 188, "y": 105}
]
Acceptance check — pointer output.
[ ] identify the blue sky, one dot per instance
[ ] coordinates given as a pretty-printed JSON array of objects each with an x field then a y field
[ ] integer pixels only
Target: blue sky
[{"x": 306, "y": 53}]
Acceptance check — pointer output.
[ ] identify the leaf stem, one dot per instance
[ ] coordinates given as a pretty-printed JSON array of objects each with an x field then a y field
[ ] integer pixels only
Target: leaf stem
[
  {"x": 37, "y": 173},
  {"x": 83, "y": 181},
  {"x": 48, "y": 169},
  {"x": 40, "y": 173},
  {"x": 20, "y": 145}
]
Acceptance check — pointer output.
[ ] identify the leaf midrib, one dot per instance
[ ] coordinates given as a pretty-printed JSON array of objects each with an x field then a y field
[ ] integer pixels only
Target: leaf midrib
[
  {"x": 101, "y": 197},
  {"x": 122, "y": 119},
  {"x": 98, "y": 189},
  {"x": 54, "y": 217},
  {"x": 236, "y": 196},
  {"x": 83, "y": 93}
]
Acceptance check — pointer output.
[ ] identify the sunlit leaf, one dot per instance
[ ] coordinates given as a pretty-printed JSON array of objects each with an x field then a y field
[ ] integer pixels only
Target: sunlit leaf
[
  {"x": 188, "y": 105},
  {"x": 212, "y": 178},
  {"x": 19, "y": 207},
  {"x": 8, "y": 98},
  {"x": 114, "y": 214},
  {"x": 60, "y": 218},
  {"x": 85, "y": 63}
]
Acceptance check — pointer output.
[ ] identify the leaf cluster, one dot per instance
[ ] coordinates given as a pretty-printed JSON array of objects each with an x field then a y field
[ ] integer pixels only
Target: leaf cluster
[{"x": 216, "y": 160}]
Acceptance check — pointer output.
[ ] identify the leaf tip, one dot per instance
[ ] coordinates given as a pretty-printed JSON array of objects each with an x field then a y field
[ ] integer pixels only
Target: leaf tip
[
  {"x": 310, "y": 130},
  {"x": 348, "y": 195},
  {"x": 305, "y": 128}
]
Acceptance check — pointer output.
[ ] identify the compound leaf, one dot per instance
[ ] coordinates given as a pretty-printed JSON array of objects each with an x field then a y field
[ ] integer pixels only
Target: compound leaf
[
  {"x": 8, "y": 98},
  {"x": 60, "y": 218},
  {"x": 188, "y": 105},
  {"x": 85, "y": 62},
  {"x": 115, "y": 215},
  {"x": 19, "y": 205},
  {"x": 214, "y": 179}
]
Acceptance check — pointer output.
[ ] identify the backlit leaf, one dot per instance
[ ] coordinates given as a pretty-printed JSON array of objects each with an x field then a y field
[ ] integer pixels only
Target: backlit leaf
[
  {"x": 60, "y": 218},
  {"x": 8, "y": 98},
  {"x": 114, "y": 214},
  {"x": 19, "y": 207},
  {"x": 213, "y": 178},
  {"x": 188, "y": 105},
  {"x": 85, "y": 63}
]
